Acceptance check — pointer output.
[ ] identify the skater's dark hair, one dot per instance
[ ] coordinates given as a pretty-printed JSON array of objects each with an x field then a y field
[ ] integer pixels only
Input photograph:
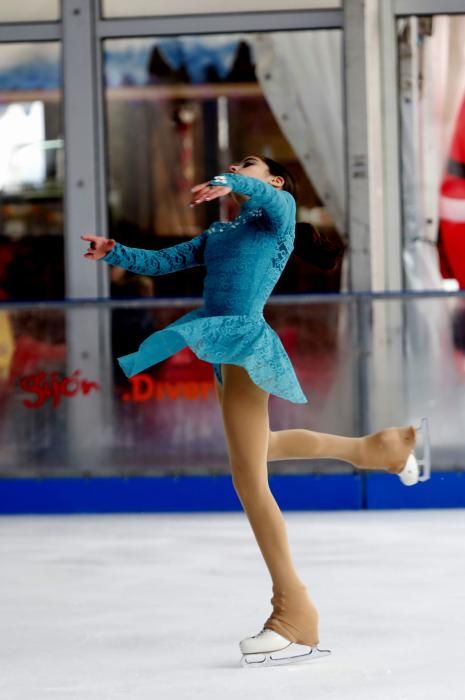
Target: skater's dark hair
[
  {"x": 310, "y": 244},
  {"x": 279, "y": 170}
]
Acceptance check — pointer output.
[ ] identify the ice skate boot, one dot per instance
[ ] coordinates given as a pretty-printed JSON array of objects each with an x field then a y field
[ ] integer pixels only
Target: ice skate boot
[
  {"x": 393, "y": 450},
  {"x": 268, "y": 648},
  {"x": 416, "y": 470}
]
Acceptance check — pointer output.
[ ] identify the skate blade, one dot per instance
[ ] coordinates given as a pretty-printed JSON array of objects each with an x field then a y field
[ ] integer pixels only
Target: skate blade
[
  {"x": 292, "y": 654},
  {"x": 424, "y": 462}
]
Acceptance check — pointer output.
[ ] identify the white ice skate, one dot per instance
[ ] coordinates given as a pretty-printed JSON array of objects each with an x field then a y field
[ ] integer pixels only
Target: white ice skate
[
  {"x": 269, "y": 648},
  {"x": 416, "y": 470}
]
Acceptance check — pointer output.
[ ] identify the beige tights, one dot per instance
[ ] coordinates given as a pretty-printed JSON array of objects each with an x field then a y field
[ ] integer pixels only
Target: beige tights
[
  {"x": 386, "y": 450},
  {"x": 251, "y": 445}
]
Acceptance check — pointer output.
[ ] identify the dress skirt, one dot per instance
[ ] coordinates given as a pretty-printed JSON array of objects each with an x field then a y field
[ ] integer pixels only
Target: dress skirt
[{"x": 244, "y": 340}]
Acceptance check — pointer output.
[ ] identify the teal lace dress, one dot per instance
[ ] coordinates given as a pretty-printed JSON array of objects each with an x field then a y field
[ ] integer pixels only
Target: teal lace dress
[{"x": 244, "y": 259}]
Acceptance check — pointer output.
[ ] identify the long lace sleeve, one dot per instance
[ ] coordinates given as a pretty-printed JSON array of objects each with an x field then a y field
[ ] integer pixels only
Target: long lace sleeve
[
  {"x": 158, "y": 262},
  {"x": 277, "y": 204}
]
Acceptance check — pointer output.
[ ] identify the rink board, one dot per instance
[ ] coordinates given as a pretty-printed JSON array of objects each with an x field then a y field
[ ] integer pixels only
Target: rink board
[
  {"x": 216, "y": 493},
  {"x": 171, "y": 494},
  {"x": 443, "y": 490}
]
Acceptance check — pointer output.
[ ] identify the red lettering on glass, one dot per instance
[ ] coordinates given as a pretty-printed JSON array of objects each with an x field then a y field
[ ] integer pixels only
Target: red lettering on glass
[
  {"x": 54, "y": 387},
  {"x": 173, "y": 390},
  {"x": 144, "y": 388}
]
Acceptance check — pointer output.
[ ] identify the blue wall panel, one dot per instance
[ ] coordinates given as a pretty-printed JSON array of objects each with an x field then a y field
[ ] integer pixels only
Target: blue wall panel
[
  {"x": 216, "y": 494},
  {"x": 171, "y": 494},
  {"x": 443, "y": 490}
]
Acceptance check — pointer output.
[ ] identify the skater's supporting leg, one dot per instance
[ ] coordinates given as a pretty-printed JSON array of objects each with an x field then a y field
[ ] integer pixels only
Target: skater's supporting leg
[
  {"x": 246, "y": 423},
  {"x": 388, "y": 449}
]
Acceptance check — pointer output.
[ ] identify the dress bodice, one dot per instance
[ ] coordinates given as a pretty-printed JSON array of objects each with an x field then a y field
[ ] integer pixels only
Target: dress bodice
[{"x": 244, "y": 258}]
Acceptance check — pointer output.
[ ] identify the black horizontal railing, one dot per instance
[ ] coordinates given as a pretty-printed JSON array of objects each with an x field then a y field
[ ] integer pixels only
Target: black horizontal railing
[{"x": 275, "y": 300}]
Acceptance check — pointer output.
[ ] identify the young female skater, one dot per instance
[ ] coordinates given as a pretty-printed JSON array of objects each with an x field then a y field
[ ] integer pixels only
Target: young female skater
[{"x": 244, "y": 259}]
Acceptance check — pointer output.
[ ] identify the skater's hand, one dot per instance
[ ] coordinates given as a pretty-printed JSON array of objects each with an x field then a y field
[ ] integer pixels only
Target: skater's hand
[
  {"x": 205, "y": 192},
  {"x": 98, "y": 246}
]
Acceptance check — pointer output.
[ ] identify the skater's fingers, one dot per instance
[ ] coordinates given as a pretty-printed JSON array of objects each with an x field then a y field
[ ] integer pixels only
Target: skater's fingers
[
  {"x": 200, "y": 196},
  {"x": 90, "y": 237},
  {"x": 214, "y": 194},
  {"x": 202, "y": 192},
  {"x": 198, "y": 200},
  {"x": 197, "y": 188},
  {"x": 209, "y": 193},
  {"x": 217, "y": 192}
]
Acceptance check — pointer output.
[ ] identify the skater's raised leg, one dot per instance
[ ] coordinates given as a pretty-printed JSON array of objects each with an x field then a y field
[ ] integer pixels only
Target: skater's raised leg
[
  {"x": 389, "y": 450},
  {"x": 246, "y": 422},
  {"x": 386, "y": 450}
]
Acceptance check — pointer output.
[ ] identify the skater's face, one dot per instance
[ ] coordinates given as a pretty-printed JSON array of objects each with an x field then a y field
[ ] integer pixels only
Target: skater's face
[{"x": 252, "y": 166}]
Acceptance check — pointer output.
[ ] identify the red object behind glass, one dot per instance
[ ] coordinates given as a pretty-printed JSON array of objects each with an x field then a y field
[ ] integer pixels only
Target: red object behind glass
[{"x": 451, "y": 244}]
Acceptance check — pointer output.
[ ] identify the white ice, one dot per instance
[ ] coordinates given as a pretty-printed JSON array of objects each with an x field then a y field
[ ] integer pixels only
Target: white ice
[{"x": 153, "y": 606}]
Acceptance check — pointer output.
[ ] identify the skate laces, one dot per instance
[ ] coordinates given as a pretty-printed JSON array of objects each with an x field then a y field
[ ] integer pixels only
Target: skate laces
[{"x": 256, "y": 636}]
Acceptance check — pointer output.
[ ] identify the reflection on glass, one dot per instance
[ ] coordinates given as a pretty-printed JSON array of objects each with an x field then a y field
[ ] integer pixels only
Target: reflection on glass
[
  {"x": 167, "y": 419},
  {"x": 32, "y": 412},
  {"x": 432, "y": 148},
  {"x": 31, "y": 11},
  {"x": 180, "y": 110},
  {"x": 432, "y": 111},
  {"x": 31, "y": 172},
  {"x": 140, "y": 8}
]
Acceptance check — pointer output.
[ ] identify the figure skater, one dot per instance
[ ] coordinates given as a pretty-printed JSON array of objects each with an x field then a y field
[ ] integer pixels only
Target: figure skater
[{"x": 244, "y": 259}]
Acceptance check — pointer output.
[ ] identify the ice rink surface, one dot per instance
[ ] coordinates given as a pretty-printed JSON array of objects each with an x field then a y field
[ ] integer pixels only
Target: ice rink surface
[{"x": 153, "y": 606}]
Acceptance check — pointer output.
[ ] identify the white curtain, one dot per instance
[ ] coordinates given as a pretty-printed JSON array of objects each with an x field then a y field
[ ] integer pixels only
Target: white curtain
[{"x": 301, "y": 76}]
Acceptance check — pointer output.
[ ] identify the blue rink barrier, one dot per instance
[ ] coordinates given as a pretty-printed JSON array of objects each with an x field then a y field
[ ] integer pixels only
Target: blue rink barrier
[
  {"x": 167, "y": 494},
  {"x": 442, "y": 490},
  {"x": 190, "y": 494}
]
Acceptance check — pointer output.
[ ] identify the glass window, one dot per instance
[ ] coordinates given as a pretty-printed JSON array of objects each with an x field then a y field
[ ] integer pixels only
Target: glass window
[
  {"x": 33, "y": 429},
  {"x": 138, "y": 8},
  {"x": 165, "y": 420},
  {"x": 31, "y": 11},
  {"x": 181, "y": 109},
  {"x": 432, "y": 110},
  {"x": 31, "y": 172},
  {"x": 432, "y": 150}
]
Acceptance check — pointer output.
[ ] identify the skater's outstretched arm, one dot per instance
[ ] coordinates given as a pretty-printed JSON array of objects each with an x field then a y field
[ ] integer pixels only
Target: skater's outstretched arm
[
  {"x": 147, "y": 262},
  {"x": 277, "y": 204}
]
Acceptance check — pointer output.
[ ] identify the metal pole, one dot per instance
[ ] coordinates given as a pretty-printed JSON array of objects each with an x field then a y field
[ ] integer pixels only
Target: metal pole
[
  {"x": 358, "y": 195},
  {"x": 85, "y": 333}
]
